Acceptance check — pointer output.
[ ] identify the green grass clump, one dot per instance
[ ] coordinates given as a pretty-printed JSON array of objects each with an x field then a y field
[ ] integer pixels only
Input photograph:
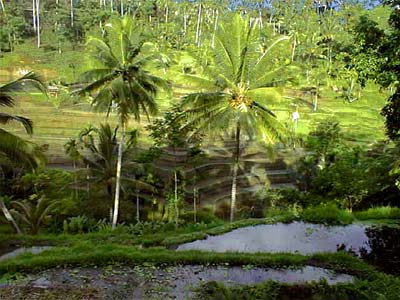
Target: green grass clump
[
  {"x": 327, "y": 213},
  {"x": 87, "y": 253},
  {"x": 376, "y": 213},
  {"x": 384, "y": 287},
  {"x": 283, "y": 215}
]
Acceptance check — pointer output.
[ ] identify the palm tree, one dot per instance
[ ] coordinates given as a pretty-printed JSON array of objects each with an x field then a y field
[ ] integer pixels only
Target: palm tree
[
  {"x": 119, "y": 80},
  {"x": 96, "y": 148},
  {"x": 34, "y": 211},
  {"x": 244, "y": 74},
  {"x": 13, "y": 149}
]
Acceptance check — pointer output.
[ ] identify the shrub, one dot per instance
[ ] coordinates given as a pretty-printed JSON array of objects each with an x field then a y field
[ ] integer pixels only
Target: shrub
[
  {"x": 327, "y": 213},
  {"x": 34, "y": 212},
  {"x": 202, "y": 216},
  {"x": 76, "y": 225},
  {"x": 285, "y": 215}
]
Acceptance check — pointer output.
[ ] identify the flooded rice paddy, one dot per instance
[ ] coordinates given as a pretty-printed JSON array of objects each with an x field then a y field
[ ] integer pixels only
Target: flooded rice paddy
[{"x": 296, "y": 237}]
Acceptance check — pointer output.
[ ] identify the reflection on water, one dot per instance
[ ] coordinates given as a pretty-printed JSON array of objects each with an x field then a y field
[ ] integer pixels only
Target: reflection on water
[
  {"x": 297, "y": 237},
  {"x": 383, "y": 248},
  {"x": 184, "y": 278},
  {"x": 240, "y": 275}
]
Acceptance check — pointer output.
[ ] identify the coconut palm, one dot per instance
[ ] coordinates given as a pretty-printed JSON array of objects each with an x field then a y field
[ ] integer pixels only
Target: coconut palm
[
  {"x": 120, "y": 81},
  {"x": 245, "y": 73},
  {"x": 13, "y": 149},
  {"x": 97, "y": 147}
]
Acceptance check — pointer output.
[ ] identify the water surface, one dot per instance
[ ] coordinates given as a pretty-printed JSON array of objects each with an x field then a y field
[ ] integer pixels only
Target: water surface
[
  {"x": 32, "y": 250},
  {"x": 296, "y": 237}
]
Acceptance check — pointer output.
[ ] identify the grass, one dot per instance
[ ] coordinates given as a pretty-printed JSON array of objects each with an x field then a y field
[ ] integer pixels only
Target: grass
[
  {"x": 330, "y": 214},
  {"x": 327, "y": 213},
  {"x": 87, "y": 253},
  {"x": 378, "y": 213},
  {"x": 383, "y": 288}
]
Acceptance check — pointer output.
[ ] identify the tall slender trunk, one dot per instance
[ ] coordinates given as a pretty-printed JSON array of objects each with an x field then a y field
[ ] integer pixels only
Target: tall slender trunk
[
  {"x": 34, "y": 15},
  {"x": 315, "y": 104},
  {"x": 87, "y": 181},
  {"x": 137, "y": 207},
  {"x": 294, "y": 48},
  {"x": 38, "y": 22},
  {"x": 75, "y": 180},
  {"x": 9, "y": 216},
  {"x": 184, "y": 23},
  {"x": 215, "y": 28},
  {"x": 2, "y": 6},
  {"x": 197, "y": 40},
  {"x": 234, "y": 173},
  {"x": 72, "y": 13},
  {"x": 260, "y": 18},
  {"x": 195, "y": 204},
  {"x": 176, "y": 207},
  {"x": 166, "y": 14},
  {"x": 118, "y": 179}
]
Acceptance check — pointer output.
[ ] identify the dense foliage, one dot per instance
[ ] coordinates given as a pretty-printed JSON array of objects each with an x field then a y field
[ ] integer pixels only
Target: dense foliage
[{"x": 240, "y": 72}]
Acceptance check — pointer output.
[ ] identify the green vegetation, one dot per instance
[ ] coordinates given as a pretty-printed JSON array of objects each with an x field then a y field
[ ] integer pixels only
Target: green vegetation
[
  {"x": 383, "y": 287},
  {"x": 384, "y": 212},
  {"x": 260, "y": 113}
]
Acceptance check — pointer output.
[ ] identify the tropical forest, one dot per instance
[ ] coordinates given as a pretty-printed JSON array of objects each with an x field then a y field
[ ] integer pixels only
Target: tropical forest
[{"x": 200, "y": 149}]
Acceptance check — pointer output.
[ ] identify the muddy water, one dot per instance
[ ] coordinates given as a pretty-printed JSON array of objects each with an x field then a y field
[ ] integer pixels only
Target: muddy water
[
  {"x": 297, "y": 237},
  {"x": 175, "y": 282}
]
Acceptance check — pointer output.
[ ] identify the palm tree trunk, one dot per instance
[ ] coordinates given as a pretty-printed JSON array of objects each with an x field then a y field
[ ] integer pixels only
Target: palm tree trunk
[
  {"x": 38, "y": 22},
  {"x": 184, "y": 23},
  {"x": 2, "y": 6},
  {"x": 166, "y": 13},
  {"x": 197, "y": 41},
  {"x": 176, "y": 198},
  {"x": 87, "y": 182},
  {"x": 75, "y": 180},
  {"x": 34, "y": 15},
  {"x": 293, "y": 48},
  {"x": 260, "y": 18},
  {"x": 137, "y": 207},
  {"x": 315, "y": 105},
  {"x": 72, "y": 13},
  {"x": 215, "y": 28},
  {"x": 234, "y": 175},
  {"x": 118, "y": 180},
  {"x": 195, "y": 192},
  {"x": 9, "y": 216}
]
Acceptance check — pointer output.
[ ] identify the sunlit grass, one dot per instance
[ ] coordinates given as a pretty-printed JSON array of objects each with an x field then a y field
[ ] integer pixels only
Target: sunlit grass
[{"x": 382, "y": 212}]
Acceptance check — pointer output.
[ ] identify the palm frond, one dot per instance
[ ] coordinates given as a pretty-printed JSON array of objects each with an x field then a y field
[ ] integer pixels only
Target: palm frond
[
  {"x": 21, "y": 152},
  {"x": 139, "y": 184},
  {"x": 265, "y": 95},
  {"x": 264, "y": 109},
  {"x": 27, "y": 123},
  {"x": 27, "y": 81},
  {"x": 6, "y": 99},
  {"x": 98, "y": 83},
  {"x": 102, "y": 52}
]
